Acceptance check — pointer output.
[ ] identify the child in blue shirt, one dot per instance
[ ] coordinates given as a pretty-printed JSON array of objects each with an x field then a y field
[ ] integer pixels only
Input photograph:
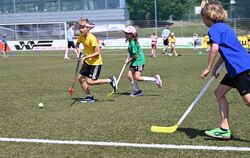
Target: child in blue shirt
[
  {"x": 237, "y": 62},
  {"x": 4, "y": 40}
]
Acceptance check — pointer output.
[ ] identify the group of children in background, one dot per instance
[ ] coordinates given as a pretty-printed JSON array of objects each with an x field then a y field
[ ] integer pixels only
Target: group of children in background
[{"x": 169, "y": 40}]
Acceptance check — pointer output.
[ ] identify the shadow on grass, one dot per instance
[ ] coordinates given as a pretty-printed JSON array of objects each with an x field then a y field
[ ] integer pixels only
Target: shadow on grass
[
  {"x": 193, "y": 133},
  {"x": 96, "y": 100},
  {"x": 128, "y": 93}
]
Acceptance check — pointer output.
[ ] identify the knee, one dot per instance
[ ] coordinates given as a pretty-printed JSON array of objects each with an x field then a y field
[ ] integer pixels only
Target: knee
[
  {"x": 80, "y": 80},
  {"x": 247, "y": 103},
  {"x": 218, "y": 94}
]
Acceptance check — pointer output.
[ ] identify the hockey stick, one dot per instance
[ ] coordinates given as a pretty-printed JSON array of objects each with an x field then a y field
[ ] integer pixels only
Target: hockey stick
[
  {"x": 172, "y": 129},
  {"x": 72, "y": 88},
  {"x": 120, "y": 75}
]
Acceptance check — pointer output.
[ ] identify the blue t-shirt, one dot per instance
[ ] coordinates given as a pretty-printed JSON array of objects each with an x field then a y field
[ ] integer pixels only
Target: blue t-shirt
[
  {"x": 70, "y": 34},
  {"x": 165, "y": 33},
  {"x": 236, "y": 58},
  {"x": 4, "y": 39}
]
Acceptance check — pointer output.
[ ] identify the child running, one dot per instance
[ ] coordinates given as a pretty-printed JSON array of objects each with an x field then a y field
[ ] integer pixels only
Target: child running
[
  {"x": 137, "y": 61},
  {"x": 92, "y": 62},
  {"x": 153, "y": 44},
  {"x": 237, "y": 61},
  {"x": 172, "y": 40}
]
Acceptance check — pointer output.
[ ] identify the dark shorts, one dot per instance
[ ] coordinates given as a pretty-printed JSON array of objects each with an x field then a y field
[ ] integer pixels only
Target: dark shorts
[
  {"x": 166, "y": 42},
  {"x": 241, "y": 82},
  {"x": 5, "y": 47},
  {"x": 137, "y": 68},
  {"x": 71, "y": 44},
  {"x": 91, "y": 71},
  {"x": 153, "y": 45}
]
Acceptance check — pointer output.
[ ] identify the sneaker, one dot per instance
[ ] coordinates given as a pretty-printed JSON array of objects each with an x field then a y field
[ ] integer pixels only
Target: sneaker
[
  {"x": 66, "y": 58},
  {"x": 158, "y": 81},
  {"x": 136, "y": 93},
  {"x": 88, "y": 99},
  {"x": 218, "y": 133},
  {"x": 169, "y": 54},
  {"x": 113, "y": 83}
]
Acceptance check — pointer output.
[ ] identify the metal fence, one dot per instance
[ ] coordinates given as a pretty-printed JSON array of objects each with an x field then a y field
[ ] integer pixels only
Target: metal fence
[
  {"x": 41, "y": 31},
  {"x": 45, "y": 31}
]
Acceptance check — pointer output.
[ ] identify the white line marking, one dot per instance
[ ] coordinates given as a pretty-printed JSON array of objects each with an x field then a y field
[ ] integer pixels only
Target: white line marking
[{"x": 120, "y": 144}]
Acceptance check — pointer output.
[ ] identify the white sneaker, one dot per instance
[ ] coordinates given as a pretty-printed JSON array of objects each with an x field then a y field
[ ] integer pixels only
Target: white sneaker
[
  {"x": 158, "y": 81},
  {"x": 66, "y": 58},
  {"x": 169, "y": 54}
]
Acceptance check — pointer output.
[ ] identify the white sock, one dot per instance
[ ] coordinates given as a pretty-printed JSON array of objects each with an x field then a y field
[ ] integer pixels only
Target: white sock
[
  {"x": 66, "y": 53},
  {"x": 135, "y": 85},
  {"x": 145, "y": 78},
  {"x": 109, "y": 80}
]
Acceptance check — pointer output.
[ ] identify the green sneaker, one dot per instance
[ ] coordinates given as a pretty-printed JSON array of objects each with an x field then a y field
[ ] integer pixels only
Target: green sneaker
[{"x": 218, "y": 133}]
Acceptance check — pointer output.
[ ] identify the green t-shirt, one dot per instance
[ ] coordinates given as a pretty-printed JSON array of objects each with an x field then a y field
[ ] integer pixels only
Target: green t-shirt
[{"x": 134, "y": 48}]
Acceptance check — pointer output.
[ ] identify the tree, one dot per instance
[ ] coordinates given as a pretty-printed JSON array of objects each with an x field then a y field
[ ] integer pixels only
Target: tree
[{"x": 144, "y": 9}]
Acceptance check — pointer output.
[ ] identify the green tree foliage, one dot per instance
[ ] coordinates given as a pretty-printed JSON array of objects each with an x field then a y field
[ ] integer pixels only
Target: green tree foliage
[
  {"x": 144, "y": 9},
  {"x": 166, "y": 9}
]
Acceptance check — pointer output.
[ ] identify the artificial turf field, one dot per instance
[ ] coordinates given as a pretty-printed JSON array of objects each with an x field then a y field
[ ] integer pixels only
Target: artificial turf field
[{"x": 28, "y": 78}]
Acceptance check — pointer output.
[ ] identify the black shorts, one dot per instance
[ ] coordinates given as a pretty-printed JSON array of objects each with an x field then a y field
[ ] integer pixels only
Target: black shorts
[
  {"x": 137, "y": 68},
  {"x": 241, "y": 82},
  {"x": 91, "y": 71},
  {"x": 71, "y": 44},
  {"x": 5, "y": 47},
  {"x": 166, "y": 42}
]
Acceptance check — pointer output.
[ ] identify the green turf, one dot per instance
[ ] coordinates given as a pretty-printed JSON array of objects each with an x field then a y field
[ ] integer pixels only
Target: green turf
[{"x": 29, "y": 78}]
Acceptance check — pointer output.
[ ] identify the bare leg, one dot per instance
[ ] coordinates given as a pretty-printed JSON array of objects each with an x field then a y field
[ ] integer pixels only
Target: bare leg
[
  {"x": 220, "y": 93},
  {"x": 246, "y": 99}
]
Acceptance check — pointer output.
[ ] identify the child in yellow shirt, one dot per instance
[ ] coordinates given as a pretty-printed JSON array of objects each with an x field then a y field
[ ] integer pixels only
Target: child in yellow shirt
[{"x": 172, "y": 40}]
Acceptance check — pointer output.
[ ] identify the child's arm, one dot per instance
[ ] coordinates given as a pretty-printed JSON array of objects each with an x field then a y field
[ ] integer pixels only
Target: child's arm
[
  {"x": 216, "y": 66},
  {"x": 131, "y": 58},
  {"x": 213, "y": 52}
]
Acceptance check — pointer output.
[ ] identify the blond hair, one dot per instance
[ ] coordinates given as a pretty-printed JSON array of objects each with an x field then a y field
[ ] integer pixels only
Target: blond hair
[
  {"x": 214, "y": 11},
  {"x": 83, "y": 22}
]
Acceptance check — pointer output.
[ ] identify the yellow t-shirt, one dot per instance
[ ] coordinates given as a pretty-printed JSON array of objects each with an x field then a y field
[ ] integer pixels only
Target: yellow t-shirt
[
  {"x": 248, "y": 37},
  {"x": 89, "y": 43},
  {"x": 172, "y": 39}
]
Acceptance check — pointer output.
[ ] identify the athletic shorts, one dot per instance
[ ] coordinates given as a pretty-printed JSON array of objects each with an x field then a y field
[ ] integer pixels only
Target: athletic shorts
[
  {"x": 241, "y": 82},
  {"x": 153, "y": 45},
  {"x": 137, "y": 68},
  {"x": 91, "y": 71},
  {"x": 5, "y": 47},
  {"x": 166, "y": 42},
  {"x": 71, "y": 44},
  {"x": 172, "y": 45}
]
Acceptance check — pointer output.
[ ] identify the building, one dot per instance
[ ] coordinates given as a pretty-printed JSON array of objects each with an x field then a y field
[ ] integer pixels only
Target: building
[{"x": 38, "y": 11}]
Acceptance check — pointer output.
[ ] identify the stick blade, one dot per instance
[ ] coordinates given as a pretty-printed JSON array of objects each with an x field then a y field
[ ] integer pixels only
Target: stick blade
[
  {"x": 110, "y": 94},
  {"x": 161, "y": 129},
  {"x": 71, "y": 91}
]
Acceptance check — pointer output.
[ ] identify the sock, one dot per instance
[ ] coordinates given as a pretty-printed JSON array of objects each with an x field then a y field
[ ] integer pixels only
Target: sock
[
  {"x": 145, "y": 78},
  {"x": 135, "y": 86},
  {"x": 66, "y": 53},
  {"x": 223, "y": 129},
  {"x": 109, "y": 80}
]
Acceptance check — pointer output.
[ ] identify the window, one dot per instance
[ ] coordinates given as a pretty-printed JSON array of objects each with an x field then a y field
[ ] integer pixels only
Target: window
[
  {"x": 113, "y": 4},
  {"x": 71, "y": 5},
  {"x": 7, "y": 6}
]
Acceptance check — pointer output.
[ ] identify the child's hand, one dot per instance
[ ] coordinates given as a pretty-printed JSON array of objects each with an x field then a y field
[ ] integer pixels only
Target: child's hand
[{"x": 205, "y": 73}]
